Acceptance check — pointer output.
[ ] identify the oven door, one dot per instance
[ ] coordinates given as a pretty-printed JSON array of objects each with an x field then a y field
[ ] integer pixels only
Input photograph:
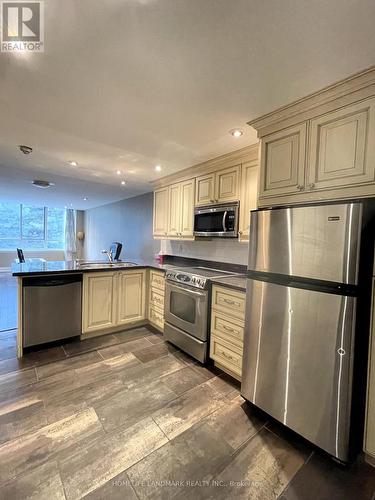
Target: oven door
[
  {"x": 216, "y": 221},
  {"x": 186, "y": 309}
]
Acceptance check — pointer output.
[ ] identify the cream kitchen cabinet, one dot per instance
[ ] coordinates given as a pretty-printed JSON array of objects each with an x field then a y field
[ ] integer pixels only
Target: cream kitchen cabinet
[
  {"x": 227, "y": 329},
  {"x": 181, "y": 210},
  {"x": 161, "y": 210},
  {"x": 249, "y": 197},
  {"x": 131, "y": 296},
  {"x": 99, "y": 301},
  {"x": 282, "y": 156},
  {"x": 369, "y": 444},
  {"x": 330, "y": 156},
  {"x": 342, "y": 147},
  {"x": 218, "y": 187},
  {"x": 156, "y": 299},
  {"x": 113, "y": 299}
]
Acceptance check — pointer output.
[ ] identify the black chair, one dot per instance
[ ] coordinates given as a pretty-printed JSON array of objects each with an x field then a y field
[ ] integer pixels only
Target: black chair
[{"x": 21, "y": 257}]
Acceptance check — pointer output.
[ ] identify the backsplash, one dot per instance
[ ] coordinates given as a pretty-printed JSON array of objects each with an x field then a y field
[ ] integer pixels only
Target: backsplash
[{"x": 218, "y": 249}]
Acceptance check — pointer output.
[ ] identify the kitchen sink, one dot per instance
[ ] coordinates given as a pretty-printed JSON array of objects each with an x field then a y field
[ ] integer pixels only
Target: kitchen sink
[{"x": 103, "y": 264}]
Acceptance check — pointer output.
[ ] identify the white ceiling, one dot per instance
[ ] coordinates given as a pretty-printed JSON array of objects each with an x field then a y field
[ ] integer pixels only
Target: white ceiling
[{"x": 128, "y": 84}]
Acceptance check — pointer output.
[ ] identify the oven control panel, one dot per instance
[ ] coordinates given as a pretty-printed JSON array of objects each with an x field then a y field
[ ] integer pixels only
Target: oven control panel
[{"x": 186, "y": 279}]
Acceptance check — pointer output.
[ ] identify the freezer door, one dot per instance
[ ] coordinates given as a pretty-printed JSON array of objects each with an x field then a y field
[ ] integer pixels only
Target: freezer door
[
  {"x": 319, "y": 242},
  {"x": 297, "y": 366}
]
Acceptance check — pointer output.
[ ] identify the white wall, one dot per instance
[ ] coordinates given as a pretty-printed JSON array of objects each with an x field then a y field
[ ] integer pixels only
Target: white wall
[
  {"x": 217, "y": 249},
  {"x": 127, "y": 221}
]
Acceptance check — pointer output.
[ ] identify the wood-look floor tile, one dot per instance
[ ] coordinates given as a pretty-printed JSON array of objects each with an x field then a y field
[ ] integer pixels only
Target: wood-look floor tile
[
  {"x": 21, "y": 416},
  {"x": 8, "y": 352},
  {"x": 118, "y": 488},
  {"x": 45, "y": 355},
  {"x": 13, "y": 380},
  {"x": 68, "y": 364},
  {"x": 154, "y": 351},
  {"x": 41, "y": 483},
  {"x": 131, "y": 346},
  {"x": 261, "y": 469},
  {"x": 195, "y": 455},
  {"x": 135, "y": 334},
  {"x": 93, "y": 466},
  {"x": 226, "y": 385},
  {"x": 15, "y": 364},
  {"x": 183, "y": 380},
  {"x": 127, "y": 407},
  {"x": 33, "y": 449},
  {"x": 155, "y": 338},
  {"x": 80, "y": 346},
  {"x": 235, "y": 422},
  {"x": 184, "y": 411},
  {"x": 321, "y": 478}
]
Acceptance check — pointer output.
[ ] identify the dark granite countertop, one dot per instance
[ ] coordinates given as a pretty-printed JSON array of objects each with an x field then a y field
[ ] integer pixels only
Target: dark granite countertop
[
  {"x": 237, "y": 282},
  {"x": 71, "y": 267}
]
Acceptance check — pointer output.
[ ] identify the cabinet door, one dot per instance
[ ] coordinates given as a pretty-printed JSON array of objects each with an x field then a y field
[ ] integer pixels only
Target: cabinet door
[
  {"x": 205, "y": 189},
  {"x": 131, "y": 296},
  {"x": 174, "y": 210},
  {"x": 249, "y": 196},
  {"x": 227, "y": 183},
  {"x": 98, "y": 301},
  {"x": 187, "y": 208},
  {"x": 342, "y": 151},
  {"x": 370, "y": 414},
  {"x": 161, "y": 213},
  {"x": 283, "y": 162}
]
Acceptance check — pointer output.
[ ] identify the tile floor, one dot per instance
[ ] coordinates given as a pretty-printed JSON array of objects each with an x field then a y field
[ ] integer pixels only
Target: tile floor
[{"x": 129, "y": 416}]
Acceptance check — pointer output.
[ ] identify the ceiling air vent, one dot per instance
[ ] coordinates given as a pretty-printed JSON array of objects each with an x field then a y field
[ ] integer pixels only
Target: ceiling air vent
[{"x": 42, "y": 184}]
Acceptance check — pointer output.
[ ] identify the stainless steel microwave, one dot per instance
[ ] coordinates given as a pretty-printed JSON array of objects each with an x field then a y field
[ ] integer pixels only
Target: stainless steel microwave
[{"x": 217, "y": 220}]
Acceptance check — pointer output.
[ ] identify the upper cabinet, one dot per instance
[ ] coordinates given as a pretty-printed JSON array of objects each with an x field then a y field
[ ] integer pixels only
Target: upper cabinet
[
  {"x": 205, "y": 185},
  {"x": 341, "y": 151},
  {"x": 283, "y": 161},
  {"x": 161, "y": 213},
  {"x": 232, "y": 177},
  {"x": 320, "y": 148},
  {"x": 249, "y": 197},
  {"x": 218, "y": 187}
]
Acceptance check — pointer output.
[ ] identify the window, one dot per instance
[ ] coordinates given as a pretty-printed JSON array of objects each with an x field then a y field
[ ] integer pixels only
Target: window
[{"x": 31, "y": 227}]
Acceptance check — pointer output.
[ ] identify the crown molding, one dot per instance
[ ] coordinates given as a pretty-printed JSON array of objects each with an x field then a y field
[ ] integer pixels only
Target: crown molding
[
  {"x": 248, "y": 153},
  {"x": 351, "y": 89}
]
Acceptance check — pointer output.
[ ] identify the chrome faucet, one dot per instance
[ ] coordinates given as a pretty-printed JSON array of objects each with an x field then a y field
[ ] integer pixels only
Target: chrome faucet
[{"x": 108, "y": 253}]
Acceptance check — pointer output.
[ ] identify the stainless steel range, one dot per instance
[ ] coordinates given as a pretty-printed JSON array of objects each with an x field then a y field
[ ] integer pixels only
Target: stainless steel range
[{"x": 187, "y": 305}]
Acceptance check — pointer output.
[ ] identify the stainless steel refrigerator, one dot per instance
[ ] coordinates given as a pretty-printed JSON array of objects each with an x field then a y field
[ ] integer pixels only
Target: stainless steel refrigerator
[{"x": 301, "y": 317}]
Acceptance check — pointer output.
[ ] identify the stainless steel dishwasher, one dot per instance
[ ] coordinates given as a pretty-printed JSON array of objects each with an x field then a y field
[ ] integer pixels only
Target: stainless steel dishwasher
[{"x": 52, "y": 308}]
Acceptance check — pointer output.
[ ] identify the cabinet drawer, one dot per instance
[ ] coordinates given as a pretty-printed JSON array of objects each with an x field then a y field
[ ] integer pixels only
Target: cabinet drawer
[
  {"x": 157, "y": 280},
  {"x": 227, "y": 328},
  {"x": 226, "y": 354},
  {"x": 157, "y": 297},
  {"x": 156, "y": 317},
  {"x": 229, "y": 301}
]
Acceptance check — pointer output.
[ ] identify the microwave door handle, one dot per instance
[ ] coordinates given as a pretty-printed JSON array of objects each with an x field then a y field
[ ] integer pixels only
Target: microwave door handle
[{"x": 225, "y": 221}]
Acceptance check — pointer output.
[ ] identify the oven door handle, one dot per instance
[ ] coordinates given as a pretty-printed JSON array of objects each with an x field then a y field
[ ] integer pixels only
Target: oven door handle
[
  {"x": 201, "y": 294},
  {"x": 225, "y": 221}
]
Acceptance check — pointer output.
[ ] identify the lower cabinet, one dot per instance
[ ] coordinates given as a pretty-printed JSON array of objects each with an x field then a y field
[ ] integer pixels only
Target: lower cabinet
[
  {"x": 112, "y": 299},
  {"x": 227, "y": 329},
  {"x": 156, "y": 299}
]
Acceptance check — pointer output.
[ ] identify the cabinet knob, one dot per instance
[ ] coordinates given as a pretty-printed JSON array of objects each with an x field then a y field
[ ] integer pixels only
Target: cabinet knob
[
  {"x": 300, "y": 187},
  {"x": 216, "y": 201},
  {"x": 239, "y": 232},
  {"x": 212, "y": 201},
  {"x": 311, "y": 185}
]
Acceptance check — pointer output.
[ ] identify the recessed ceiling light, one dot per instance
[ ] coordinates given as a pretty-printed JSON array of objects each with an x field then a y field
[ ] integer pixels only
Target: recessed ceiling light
[
  {"x": 123, "y": 183},
  {"x": 73, "y": 163},
  {"x": 118, "y": 172},
  {"x": 158, "y": 168},
  {"x": 85, "y": 198},
  {"x": 236, "y": 132},
  {"x": 42, "y": 184}
]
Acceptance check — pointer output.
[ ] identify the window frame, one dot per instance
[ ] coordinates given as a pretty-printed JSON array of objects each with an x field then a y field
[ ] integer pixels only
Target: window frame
[{"x": 43, "y": 242}]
